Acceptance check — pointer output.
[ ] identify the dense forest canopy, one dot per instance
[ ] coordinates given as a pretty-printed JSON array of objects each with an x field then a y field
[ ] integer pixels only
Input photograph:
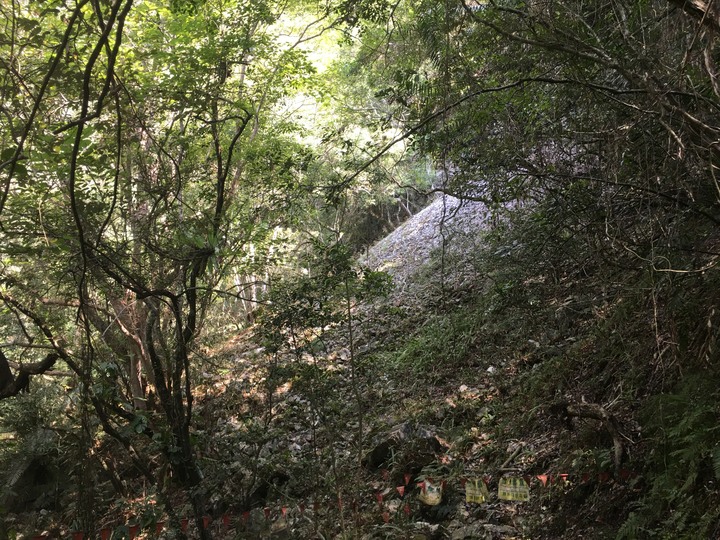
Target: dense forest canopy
[{"x": 174, "y": 172}]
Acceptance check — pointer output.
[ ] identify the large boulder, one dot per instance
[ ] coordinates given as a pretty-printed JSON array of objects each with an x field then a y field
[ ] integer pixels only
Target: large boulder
[
  {"x": 407, "y": 448},
  {"x": 33, "y": 480}
]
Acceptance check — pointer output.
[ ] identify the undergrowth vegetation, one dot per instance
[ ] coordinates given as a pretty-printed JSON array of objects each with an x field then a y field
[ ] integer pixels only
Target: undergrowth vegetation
[
  {"x": 189, "y": 330},
  {"x": 549, "y": 319},
  {"x": 490, "y": 360}
]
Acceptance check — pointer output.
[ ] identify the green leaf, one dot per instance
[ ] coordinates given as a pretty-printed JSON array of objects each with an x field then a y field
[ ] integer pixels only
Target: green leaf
[{"x": 21, "y": 171}]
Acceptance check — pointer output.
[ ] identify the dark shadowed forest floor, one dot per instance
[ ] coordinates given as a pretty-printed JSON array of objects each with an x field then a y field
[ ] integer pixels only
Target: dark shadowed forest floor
[{"x": 476, "y": 375}]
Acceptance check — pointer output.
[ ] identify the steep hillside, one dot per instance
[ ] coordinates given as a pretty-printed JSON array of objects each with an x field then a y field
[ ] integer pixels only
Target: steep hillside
[
  {"x": 557, "y": 362},
  {"x": 508, "y": 352},
  {"x": 505, "y": 359}
]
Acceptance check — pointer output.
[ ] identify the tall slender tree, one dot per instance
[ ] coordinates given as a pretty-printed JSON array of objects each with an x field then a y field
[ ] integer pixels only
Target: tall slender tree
[{"x": 131, "y": 136}]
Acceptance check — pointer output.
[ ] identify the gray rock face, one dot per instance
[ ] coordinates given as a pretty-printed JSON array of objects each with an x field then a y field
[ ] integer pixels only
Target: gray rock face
[
  {"x": 480, "y": 530},
  {"x": 409, "y": 247}
]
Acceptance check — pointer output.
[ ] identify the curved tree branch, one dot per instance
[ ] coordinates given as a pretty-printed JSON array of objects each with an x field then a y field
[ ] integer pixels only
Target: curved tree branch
[
  {"x": 38, "y": 100},
  {"x": 11, "y": 385}
]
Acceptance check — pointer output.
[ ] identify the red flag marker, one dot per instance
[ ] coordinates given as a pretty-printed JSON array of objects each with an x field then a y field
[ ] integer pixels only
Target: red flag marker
[
  {"x": 284, "y": 511},
  {"x": 266, "y": 510},
  {"x": 226, "y": 521},
  {"x": 79, "y": 535},
  {"x": 159, "y": 526},
  {"x": 379, "y": 498},
  {"x": 401, "y": 490},
  {"x": 133, "y": 530},
  {"x": 206, "y": 521},
  {"x": 421, "y": 485},
  {"x": 105, "y": 533},
  {"x": 543, "y": 479},
  {"x": 408, "y": 477},
  {"x": 564, "y": 478}
]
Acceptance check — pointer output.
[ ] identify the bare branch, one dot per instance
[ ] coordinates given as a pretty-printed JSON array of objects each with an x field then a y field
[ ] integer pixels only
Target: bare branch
[{"x": 702, "y": 11}]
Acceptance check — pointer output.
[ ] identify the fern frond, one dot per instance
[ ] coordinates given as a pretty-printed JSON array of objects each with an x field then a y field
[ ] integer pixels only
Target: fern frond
[{"x": 716, "y": 461}]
